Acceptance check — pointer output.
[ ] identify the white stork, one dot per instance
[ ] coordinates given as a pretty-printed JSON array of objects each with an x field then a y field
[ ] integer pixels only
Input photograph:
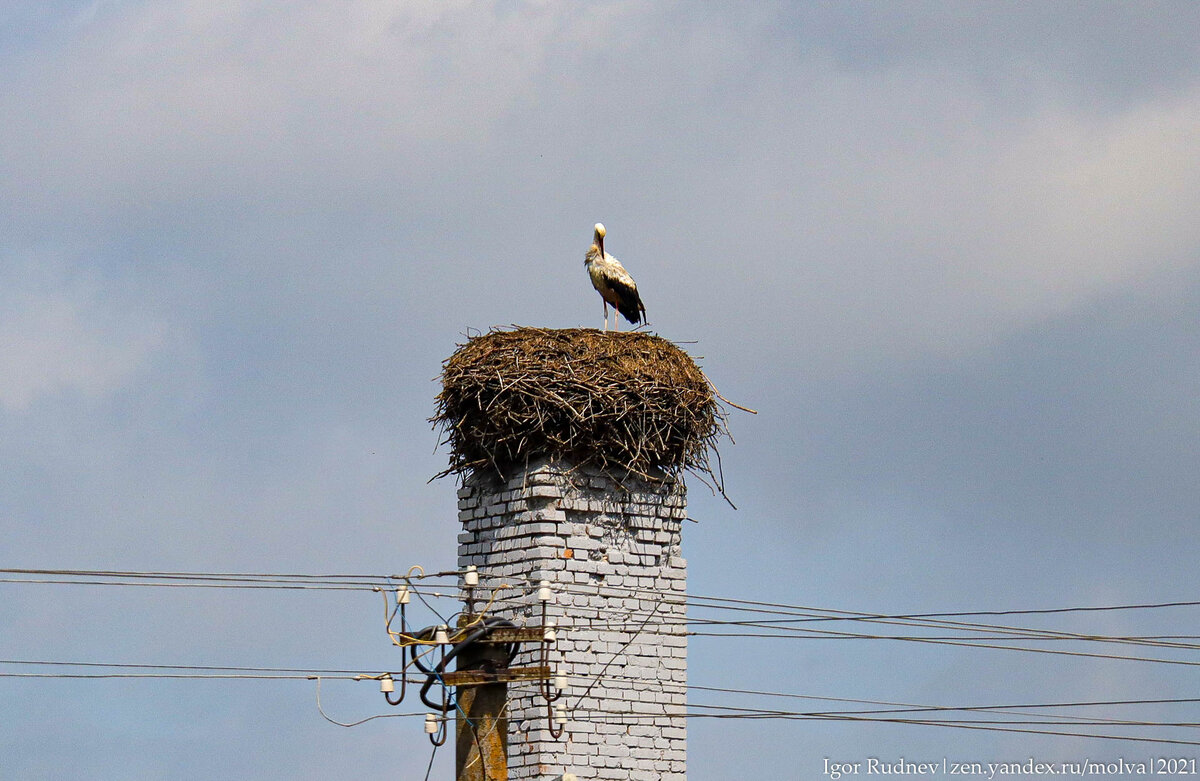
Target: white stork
[{"x": 613, "y": 282}]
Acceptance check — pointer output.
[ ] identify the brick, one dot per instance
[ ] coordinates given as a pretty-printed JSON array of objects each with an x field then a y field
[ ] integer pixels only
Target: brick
[
  {"x": 639, "y": 534},
  {"x": 543, "y": 491}
]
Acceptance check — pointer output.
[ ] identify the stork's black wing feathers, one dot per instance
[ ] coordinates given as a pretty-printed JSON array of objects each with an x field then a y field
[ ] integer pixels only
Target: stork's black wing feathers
[{"x": 630, "y": 303}]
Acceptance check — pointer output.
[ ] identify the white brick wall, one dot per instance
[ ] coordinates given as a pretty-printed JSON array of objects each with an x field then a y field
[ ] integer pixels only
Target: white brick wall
[{"x": 611, "y": 552}]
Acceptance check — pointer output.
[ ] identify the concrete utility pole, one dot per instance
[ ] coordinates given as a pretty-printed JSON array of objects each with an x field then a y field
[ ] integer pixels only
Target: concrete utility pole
[
  {"x": 481, "y": 748},
  {"x": 481, "y": 681}
]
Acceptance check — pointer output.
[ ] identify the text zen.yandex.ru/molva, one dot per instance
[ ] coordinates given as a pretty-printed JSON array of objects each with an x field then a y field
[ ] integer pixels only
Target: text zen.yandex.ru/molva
[{"x": 873, "y": 766}]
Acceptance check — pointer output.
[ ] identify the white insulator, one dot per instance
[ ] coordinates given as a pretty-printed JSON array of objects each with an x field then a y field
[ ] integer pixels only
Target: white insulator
[
  {"x": 442, "y": 635},
  {"x": 548, "y": 633},
  {"x": 471, "y": 578},
  {"x": 543, "y": 593},
  {"x": 386, "y": 685},
  {"x": 560, "y": 682},
  {"x": 431, "y": 724},
  {"x": 560, "y": 715},
  {"x": 403, "y": 595}
]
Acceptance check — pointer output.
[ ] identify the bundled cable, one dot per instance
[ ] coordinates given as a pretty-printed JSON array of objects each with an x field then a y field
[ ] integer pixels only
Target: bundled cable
[{"x": 434, "y": 673}]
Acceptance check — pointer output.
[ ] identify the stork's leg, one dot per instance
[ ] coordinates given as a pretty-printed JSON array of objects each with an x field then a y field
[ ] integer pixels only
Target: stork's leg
[
  {"x": 605, "y": 303},
  {"x": 616, "y": 319}
]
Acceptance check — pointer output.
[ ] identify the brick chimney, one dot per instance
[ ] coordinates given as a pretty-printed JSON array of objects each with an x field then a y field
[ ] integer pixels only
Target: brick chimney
[
  {"x": 571, "y": 446},
  {"x": 611, "y": 553}
]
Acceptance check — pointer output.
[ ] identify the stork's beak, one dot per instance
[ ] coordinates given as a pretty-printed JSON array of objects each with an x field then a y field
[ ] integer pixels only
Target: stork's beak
[{"x": 600, "y": 244}]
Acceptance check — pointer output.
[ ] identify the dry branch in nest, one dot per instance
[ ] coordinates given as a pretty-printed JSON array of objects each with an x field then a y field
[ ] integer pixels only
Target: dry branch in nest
[{"x": 627, "y": 402}]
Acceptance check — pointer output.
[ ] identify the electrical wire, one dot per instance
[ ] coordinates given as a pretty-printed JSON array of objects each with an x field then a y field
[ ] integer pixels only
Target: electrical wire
[
  {"x": 1007, "y": 633},
  {"x": 286, "y": 581},
  {"x": 1031, "y": 719},
  {"x": 830, "y": 614},
  {"x": 171, "y": 676},
  {"x": 780, "y": 619},
  {"x": 256, "y": 585},
  {"x": 360, "y": 721},
  {"x": 308, "y": 672},
  {"x": 748, "y": 712},
  {"x": 290, "y": 673},
  {"x": 613, "y": 658},
  {"x": 1008, "y": 711},
  {"x": 294, "y": 581},
  {"x": 812, "y": 614},
  {"x": 976, "y": 641},
  {"x": 600, "y": 716},
  {"x": 897, "y": 707},
  {"x": 1011, "y": 633},
  {"x": 360, "y": 581},
  {"x": 970, "y": 644},
  {"x": 432, "y": 754},
  {"x": 226, "y": 575}
]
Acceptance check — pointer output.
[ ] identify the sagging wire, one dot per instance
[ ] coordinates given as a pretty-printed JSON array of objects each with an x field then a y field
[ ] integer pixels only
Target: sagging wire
[{"x": 326, "y": 716}]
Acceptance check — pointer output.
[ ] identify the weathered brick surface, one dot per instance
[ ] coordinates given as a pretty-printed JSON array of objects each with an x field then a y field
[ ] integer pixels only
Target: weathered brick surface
[{"x": 612, "y": 555}]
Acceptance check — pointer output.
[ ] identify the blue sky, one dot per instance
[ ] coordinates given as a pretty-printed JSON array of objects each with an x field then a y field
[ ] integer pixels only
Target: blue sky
[{"x": 948, "y": 250}]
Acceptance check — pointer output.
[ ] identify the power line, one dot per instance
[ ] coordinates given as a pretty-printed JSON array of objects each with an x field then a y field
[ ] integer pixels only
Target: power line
[
  {"x": 172, "y": 676},
  {"x": 1013, "y": 634},
  {"x": 698, "y": 710},
  {"x": 972, "y": 644},
  {"x": 911, "y": 706},
  {"x": 904, "y": 707},
  {"x": 1009, "y": 632},
  {"x": 1039, "y": 720},
  {"x": 223, "y": 575},
  {"x": 290, "y": 671},
  {"x": 801, "y": 716},
  {"x": 805, "y": 614},
  {"x": 1166, "y": 641},
  {"x": 373, "y": 581},
  {"x": 246, "y": 580},
  {"x": 734, "y": 603},
  {"x": 781, "y": 627},
  {"x": 1155, "y": 641},
  {"x": 850, "y": 615},
  {"x": 432, "y": 754},
  {"x": 358, "y": 674},
  {"x": 256, "y": 585},
  {"x": 360, "y": 721}
]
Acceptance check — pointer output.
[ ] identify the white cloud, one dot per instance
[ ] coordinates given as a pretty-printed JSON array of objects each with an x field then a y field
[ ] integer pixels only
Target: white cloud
[
  {"x": 68, "y": 340},
  {"x": 280, "y": 216},
  {"x": 882, "y": 214},
  {"x": 878, "y": 211},
  {"x": 160, "y": 102}
]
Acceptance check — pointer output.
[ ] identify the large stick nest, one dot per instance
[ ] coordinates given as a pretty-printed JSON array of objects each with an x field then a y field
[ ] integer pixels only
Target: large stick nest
[{"x": 627, "y": 402}]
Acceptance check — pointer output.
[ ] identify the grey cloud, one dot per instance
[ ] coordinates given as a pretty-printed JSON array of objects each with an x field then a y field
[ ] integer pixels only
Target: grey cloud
[{"x": 949, "y": 256}]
